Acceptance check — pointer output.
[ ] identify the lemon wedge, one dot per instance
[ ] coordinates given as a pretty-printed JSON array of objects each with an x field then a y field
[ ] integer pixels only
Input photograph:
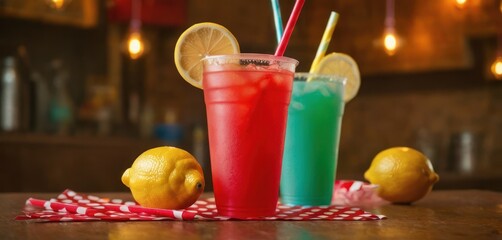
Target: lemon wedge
[
  {"x": 341, "y": 65},
  {"x": 197, "y": 42}
]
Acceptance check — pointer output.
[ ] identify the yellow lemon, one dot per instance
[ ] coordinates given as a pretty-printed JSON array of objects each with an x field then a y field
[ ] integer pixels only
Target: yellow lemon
[
  {"x": 165, "y": 177},
  {"x": 197, "y": 42},
  {"x": 403, "y": 174},
  {"x": 343, "y": 65}
]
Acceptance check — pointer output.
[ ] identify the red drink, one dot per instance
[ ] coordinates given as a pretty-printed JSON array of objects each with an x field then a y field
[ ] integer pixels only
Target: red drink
[{"x": 247, "y": 98}]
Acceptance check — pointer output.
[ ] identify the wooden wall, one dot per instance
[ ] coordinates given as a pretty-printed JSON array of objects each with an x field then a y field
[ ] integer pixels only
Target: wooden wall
[
  {"x": 435, "y": 33},
  {"x": 434, "y": 88}
]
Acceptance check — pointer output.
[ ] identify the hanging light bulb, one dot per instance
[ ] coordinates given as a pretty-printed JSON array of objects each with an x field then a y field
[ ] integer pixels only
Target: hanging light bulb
[
  {"x": 57, "y": 4},
  {"x": 391, "y": 41},
  {"x": 135, "y": 44},
  {"x": 496, "y": 68}
]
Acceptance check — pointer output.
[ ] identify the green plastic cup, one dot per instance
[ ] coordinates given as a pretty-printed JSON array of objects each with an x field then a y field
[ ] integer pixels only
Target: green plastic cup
[{"x": 312, "y": 138}]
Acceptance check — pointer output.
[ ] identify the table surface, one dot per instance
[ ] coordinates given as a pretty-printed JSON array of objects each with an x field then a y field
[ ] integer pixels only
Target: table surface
[{"x": 460, "y": 214}]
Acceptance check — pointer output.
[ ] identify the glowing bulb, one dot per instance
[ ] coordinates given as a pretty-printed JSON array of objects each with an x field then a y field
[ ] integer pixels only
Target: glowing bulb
[
  {"x": 57, "y": 4},
  {"x": 390, "y": 43},
  {"x": 460, "y": 3},
  {"x": 135, "y": 45},
  {"x": 497, "y": 68}
]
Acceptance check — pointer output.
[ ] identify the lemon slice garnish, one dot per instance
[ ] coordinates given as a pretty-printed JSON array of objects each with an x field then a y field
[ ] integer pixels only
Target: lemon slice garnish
[
  {"x": 341, "y": 65},
  {"x": 197, "y": 42}
]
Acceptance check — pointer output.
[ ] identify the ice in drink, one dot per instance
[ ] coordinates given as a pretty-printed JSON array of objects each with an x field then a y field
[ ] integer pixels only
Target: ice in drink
[
  {"x": 247, "y": 98},
  {"x": 312, "y": 137}
]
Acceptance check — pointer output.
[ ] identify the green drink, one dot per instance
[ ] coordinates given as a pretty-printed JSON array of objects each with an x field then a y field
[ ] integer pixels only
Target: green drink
[{"x": 312, "y": 137}]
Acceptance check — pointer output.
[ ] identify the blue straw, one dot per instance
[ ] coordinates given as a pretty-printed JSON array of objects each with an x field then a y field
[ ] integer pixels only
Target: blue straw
[{"x": 277, "y": 19}]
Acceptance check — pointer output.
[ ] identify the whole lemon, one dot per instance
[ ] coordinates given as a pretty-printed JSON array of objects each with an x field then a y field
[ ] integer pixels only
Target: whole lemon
[
  {"x": 404, "y": 175},
  {"x": 165, "y": 177}
]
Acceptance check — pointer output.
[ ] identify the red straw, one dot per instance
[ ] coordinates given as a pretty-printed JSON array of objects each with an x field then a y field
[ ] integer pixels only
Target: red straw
[{"x": 281, "y": 48}]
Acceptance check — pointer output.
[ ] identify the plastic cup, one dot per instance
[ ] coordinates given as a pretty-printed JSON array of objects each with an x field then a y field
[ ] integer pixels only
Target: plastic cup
[
  {"x": 312, "y": 137},
  {"x": 247, "y": 98}
]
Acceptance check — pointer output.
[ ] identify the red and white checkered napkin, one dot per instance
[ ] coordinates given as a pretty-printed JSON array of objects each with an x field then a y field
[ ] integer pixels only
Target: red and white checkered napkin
[
  {"x": 356, "y": 193},
  {"x": 73, "y": 206}
]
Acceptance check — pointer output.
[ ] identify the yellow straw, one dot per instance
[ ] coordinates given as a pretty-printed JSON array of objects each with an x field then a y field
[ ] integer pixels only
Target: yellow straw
[{"x": 326, "y": 38}]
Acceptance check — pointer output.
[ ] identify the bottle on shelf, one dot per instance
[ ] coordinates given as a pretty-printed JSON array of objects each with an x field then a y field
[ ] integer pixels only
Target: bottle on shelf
[
  {"x": 9, "y": 105},
  {"x": 60, "y": 104}
]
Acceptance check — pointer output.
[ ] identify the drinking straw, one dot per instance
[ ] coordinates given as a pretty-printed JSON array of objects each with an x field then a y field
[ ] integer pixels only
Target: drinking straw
[
  {"x": 68, "y": 207},
  {"x": 277, "y": 19},
  {"x": 102, "y": 213},
  {"x": 281, "y": 48},
  {"x": 326, "y": 38}
]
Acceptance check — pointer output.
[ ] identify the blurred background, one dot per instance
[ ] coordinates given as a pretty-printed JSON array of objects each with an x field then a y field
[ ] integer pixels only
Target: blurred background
[{"x": 88, "y": 85}]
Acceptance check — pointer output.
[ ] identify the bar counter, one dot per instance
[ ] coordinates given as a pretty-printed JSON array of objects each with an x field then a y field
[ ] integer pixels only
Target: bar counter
[{"x": 454, "y": 214}]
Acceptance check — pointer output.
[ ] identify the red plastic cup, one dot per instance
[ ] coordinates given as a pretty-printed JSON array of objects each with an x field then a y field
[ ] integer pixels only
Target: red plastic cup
[{"x": 247, "y": 98}]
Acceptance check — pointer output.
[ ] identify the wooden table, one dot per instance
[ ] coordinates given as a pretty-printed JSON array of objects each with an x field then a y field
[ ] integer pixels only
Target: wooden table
[{"x": 466, "y": 214}]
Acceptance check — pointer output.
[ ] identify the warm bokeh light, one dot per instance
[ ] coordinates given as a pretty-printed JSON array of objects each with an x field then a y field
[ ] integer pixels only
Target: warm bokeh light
[
  {"x": 497, "y": 68},
  {"x": 390, "y": 43},
  {"x": 57, "y": 4},
  {"x": 460, "y": 3},
  {"x": 135, "y": 45}
]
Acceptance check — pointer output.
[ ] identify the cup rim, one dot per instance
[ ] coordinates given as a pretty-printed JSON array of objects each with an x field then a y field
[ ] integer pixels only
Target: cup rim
[
  {"x": 253, "y": 56},
  {"x": 325, "y": 77}
]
